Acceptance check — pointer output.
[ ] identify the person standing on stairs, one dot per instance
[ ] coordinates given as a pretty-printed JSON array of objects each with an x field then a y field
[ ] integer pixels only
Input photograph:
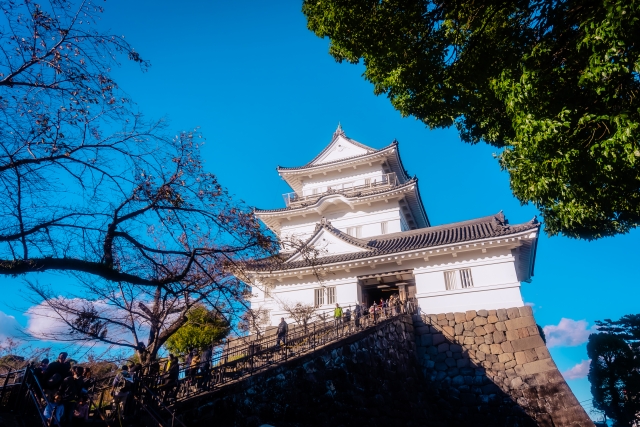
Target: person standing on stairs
[{"x": 281, "y": 333}]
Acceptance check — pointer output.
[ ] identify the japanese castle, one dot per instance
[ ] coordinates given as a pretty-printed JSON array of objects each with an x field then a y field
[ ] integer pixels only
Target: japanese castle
[{"x": 363, "y": 216}]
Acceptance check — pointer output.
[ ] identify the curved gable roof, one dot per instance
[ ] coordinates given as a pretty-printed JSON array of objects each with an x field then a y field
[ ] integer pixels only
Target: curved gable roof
[{"x": 477, "y": 229}]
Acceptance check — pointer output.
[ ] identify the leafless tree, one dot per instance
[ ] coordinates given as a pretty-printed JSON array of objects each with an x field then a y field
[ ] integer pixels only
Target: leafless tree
[
  {"x": 16, "y": 354},
  {"x": 254, "y": 320},
  {"x": 300, "y": 312},
  {"x": 133, "y": 317},
  {"x": 90, "y": 186}
]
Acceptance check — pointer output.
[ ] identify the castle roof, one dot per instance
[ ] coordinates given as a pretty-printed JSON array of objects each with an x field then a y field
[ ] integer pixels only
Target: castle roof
[
  {"x": 488, "y": 227},
  {"x": 343, "y": 193}
]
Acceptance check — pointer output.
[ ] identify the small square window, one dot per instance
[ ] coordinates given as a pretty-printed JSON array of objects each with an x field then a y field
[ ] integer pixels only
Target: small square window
[{"x": 458, "y": 279}]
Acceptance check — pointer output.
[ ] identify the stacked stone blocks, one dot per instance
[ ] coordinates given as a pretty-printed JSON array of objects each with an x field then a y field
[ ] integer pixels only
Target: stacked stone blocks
[{"x": 482, "y": 356}]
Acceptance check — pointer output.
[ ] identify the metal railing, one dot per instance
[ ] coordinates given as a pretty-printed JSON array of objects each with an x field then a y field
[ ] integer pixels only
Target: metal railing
[
  {"x": 156, "y": 395},
  {"x": 348, "y": 189},
  {"x": 22, "y": 396},
  {"x": 252, "y": 357}
]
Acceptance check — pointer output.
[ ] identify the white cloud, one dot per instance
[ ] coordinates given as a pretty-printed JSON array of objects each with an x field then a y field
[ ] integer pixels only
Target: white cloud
[
  {"x": 580, "y": 370},
  {"x": 46, "y": 324},
  {"x": 43, "y": 322},
  {"x": 9, "y": 326},
  {"x": 568, "y": 333}
]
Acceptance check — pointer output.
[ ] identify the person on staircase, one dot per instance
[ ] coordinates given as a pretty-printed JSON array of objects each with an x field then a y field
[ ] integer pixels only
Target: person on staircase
[
  {"x": 347, "y": 318},
  {"x": 56, "y": 371},
  {"x": 187, "y": 363},
  {"x": 170, "y": 385},
  {"x": 54, "y": 411},
  {"x": 194, "y": 366},
  {"x": 120, "y": 389},
  {"x": 357, "y": 313},
  {"x": 205, "y": 366},
  {"x": 70, "y": 390},
  {"x": 281, "y": 333},
  {"x": 81, "y": 413},
  {"x": 337, "y": 318}
]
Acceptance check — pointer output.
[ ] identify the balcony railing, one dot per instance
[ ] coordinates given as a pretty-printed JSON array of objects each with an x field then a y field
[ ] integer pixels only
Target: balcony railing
[{"x": 349, "y": 189}]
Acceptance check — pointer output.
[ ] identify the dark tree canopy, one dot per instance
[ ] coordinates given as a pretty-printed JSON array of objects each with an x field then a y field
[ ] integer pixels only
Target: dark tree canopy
[
  {"x": 614, "y": 373},
  {"x": 554, "y": 84}
]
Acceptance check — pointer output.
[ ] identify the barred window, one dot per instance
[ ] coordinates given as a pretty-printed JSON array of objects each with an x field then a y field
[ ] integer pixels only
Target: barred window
[
  {"x": 318, "y": 298},
  {"x": 331, "y": 295},
  {"x": 383, "y": 227},
  {"x": 458, "y": 279},
  {"x": 324, "y": 296}
]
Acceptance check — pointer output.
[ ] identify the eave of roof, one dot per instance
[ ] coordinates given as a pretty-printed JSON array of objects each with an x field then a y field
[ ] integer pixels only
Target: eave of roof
[
  {"x": 493, "y": 226},
  {"x": 319, "y": 200}
]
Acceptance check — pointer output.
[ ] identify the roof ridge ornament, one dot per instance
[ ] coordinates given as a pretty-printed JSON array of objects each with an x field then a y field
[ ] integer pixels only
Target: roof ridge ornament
[
  {"x": 339, "y": 131},
  {"x": 500, "y": 222}
]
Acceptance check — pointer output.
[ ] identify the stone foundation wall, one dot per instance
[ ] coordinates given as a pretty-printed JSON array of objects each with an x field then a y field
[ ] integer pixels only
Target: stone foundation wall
[
  {"x": 473, "y": 369},
  {"x": 368, "y": 379},
  {"x": 495, "y": 358}
]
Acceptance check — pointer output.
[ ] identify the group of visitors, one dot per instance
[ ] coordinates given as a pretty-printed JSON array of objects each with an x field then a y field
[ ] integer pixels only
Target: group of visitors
[
  {"x": 66, "y": 391},
  {"x": 196, "y": 368},
  {"x": 364, "y": 316}
]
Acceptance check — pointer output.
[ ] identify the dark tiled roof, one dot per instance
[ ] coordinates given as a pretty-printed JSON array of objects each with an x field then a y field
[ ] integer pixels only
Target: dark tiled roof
[
  {"x": 309, "y": 165},
  {"x": 333, "y": 193},
  {"x": 459, "y": 232}
]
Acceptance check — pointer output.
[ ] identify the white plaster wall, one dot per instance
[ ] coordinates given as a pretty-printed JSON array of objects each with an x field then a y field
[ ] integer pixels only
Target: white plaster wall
[
  {"x": 302, "y": 290},
  {"x": 461, "y": 300},
  {"x": 493, "y": 273},
  {"x": 495, "y": 284},
  {"x": 369, "y": 217},
  {"x": 341, "y": 149}
]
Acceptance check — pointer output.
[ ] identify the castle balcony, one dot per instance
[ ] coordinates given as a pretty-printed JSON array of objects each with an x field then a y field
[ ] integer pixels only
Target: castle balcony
[{"x": 356, "y": 188}]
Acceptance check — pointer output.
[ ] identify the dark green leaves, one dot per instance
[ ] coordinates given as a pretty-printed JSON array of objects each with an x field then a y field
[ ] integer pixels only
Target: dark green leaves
[{"x": 554, "y": 83}]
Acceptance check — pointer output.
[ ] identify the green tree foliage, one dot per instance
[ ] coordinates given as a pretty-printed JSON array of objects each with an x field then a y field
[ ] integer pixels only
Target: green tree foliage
[
  {"x": 615, "y": 369},
  {"x": 554, "y": 84},
  {"x": 203, "y": 328}
]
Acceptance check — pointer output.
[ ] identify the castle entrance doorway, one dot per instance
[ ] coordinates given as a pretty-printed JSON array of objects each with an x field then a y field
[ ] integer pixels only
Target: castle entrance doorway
[{"x": 373, "y": 287}]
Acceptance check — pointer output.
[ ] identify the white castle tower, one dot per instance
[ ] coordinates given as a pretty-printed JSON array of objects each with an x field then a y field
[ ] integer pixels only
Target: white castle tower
[{"x": 364, "y": 214}]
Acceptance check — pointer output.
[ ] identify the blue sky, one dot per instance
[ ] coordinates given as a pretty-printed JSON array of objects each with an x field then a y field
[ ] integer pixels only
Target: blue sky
[{"x": 265, "y": 92}]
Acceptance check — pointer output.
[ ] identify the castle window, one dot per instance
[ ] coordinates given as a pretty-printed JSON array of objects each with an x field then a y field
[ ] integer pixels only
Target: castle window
[
  {"x": 383, "y": 227},
  {"x": 354, "y": 231},
  {"x": 314, "y": 191},
  {"x": 458, "y": 279},
  {"x": 318, "y": 297},
  {"x": 367, "y": 182},
  {"x": 267, "y": 291},
  {"x": 324, "y": 296},
  {"x": 331, "y": 295}
]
